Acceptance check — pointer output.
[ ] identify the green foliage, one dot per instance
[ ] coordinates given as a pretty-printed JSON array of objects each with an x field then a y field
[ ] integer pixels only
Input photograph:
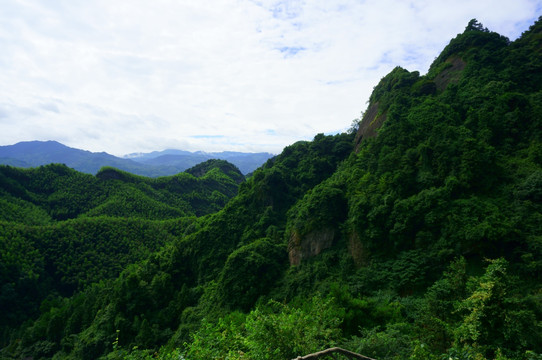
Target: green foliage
[
  {"x": 249, "y": 272},
  {"x": 476, "y": 43},
  {"x": 392, "y": 86},
  {"x": 220, "y": 167},
  {"x": 275, "y": 331},
  {"x": 55, "y": 239},
  {"x": 224, "y": 339},
  {"x": 393, "y": 342},
  {"x": 63, "y": 193},
  {"x": 285, "y": 332},
  {"x": 321, "y": 207},
  {"x": 497, "y": 316}
]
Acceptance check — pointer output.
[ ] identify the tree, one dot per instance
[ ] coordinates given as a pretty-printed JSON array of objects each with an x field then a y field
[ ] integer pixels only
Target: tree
[{"x": 476, "y": 26}]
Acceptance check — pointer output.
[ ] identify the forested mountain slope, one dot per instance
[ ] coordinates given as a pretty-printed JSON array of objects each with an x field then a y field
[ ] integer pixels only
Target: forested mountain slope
[
  {"x": 419, "y": 237},
  {"x": 62, "y": 230},
  {"x": 56, "y": 192}
]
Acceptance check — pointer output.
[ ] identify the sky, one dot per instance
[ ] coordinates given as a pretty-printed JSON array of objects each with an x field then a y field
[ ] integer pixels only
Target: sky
[{"x": 126, "y": 76}]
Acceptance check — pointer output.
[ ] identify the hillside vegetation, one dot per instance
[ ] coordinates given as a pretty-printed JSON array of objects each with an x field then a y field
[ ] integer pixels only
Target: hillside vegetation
[
  {"x": 62, "y": 231},
  {"x": 418, "y": 237}
]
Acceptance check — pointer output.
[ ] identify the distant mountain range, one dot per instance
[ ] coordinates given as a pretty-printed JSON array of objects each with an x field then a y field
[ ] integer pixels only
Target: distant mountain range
[
  {"x": 157, "y": 163},
  {"x": 182, "y": 160}
]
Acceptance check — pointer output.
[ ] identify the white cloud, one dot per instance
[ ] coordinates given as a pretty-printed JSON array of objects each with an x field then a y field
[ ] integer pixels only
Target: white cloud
[{"x": 126, "y": 76}]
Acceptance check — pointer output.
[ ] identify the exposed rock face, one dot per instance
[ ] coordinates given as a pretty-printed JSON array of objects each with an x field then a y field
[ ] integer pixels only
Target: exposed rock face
[
  {"x": 451, "y": 73},
  {"x": 375, "y": 116},
  {"x": 312, "y": 244},
  {"x": 371, "y": 122},
  {"x": 355, "y": 248}
]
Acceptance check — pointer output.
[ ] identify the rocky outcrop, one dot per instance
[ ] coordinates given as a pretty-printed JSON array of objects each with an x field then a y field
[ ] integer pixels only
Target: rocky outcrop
[
  {"x": 371, "y": 122},
  {"x": 356, "y": 250},
  {"x": 451, "y": 73},
  {"x": 375, "y": 115},
  {"x": 309, "y": 245}
]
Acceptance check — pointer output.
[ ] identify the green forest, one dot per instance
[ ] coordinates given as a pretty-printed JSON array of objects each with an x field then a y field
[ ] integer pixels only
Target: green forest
[{"x": 416, "y": 235}]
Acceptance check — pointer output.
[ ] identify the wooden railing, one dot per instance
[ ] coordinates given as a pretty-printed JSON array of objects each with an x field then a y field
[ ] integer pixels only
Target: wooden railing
[{"x": 332, "y": 353}]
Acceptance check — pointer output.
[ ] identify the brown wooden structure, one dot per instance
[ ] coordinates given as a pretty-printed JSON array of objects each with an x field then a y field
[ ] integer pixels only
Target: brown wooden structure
[{"x": 334, "y": 353}]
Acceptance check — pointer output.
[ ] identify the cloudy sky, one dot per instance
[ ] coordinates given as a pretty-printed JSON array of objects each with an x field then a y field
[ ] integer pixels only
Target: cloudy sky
[{"x": 126, "y": 76}]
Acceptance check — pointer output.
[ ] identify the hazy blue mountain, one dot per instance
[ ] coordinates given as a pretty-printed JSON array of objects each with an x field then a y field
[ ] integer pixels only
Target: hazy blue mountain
[
  {"x": 158, "y": 163},
  {"x": 36, "y": 153},
  {"x": 155, "y": 154},
  {"x": 182, "y": 160},
  {"x": 14, "y": 162}
]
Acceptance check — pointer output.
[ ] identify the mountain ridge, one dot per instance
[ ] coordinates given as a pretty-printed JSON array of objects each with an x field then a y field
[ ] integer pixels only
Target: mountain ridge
[{"x": 35, "y": 153}]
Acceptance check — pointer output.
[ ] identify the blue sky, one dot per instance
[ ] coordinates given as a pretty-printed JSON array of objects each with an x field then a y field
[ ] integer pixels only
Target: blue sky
[{"x": 130, "y": 76}]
